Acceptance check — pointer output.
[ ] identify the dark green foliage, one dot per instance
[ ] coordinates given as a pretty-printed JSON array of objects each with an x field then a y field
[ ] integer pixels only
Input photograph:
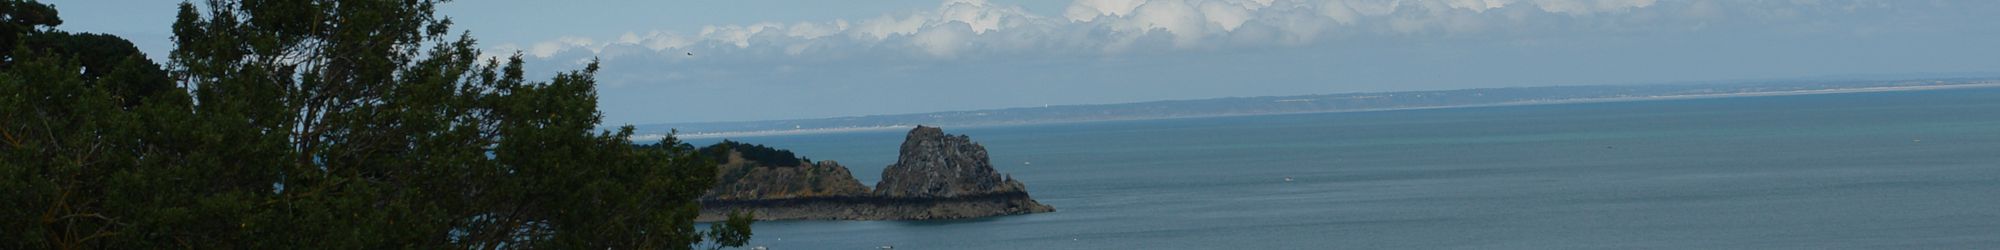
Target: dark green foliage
[
  {"x": 63, "y": 140},
  {"x": 322, "y": 124},
  {"x": 771, "y": 157},
  {"x": 727, "y": 233},
  {"x": 106, "y": 56},
  {"x": 23, "y": 18}
]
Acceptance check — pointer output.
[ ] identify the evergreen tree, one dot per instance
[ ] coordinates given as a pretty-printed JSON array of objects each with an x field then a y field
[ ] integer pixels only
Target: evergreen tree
[{"x": 322, "y": 124}]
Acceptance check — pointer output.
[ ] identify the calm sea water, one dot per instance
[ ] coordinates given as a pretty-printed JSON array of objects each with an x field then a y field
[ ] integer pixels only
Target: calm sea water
[{"x": 1865, "y": 170}]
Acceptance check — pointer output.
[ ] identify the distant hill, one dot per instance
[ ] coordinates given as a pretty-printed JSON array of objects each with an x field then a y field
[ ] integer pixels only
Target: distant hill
[{"x": 1234, "y": 106}]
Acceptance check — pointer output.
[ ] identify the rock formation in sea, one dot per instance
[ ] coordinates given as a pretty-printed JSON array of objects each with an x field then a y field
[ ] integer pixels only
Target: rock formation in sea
[
  {"x": 936, "y": 176},
  {"x": 933, "y": 164}
]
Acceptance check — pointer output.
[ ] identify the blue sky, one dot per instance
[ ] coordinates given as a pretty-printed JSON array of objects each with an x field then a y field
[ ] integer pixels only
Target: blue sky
[{"x": 768, "y": 59}]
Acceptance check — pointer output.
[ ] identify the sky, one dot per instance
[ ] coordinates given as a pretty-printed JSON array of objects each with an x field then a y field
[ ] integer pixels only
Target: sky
[{"x": 771, "y": 59}]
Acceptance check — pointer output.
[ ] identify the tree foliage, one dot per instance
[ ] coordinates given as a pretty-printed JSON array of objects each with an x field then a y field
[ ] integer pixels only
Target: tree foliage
[
  {"x": 323, "y": 124},
  {"x": 768, "y": 156}
]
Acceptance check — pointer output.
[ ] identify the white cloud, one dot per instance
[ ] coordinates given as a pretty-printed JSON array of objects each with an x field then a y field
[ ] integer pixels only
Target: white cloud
[
  {"x": 945, "y": 40},
  {"x": 1587, "y": 7},
  {"x": 885, "y": 26},
  {"x": 1173, "y": 16},
  {"x": 1226, "y": 15},
  {"x": 1089, "y": 10},
  {"x": 962, "y": 28},
  {"x": 814, "y": 30},
  {"x": 977, "y": 14},
  {"x": 549, "y": 48}
]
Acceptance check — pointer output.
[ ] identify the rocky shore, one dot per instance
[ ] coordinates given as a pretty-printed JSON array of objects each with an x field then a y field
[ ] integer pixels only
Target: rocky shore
[{"x": 936, "y": 176}]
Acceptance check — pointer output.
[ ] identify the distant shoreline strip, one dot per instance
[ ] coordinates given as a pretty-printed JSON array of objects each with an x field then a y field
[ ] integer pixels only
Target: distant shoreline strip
[{"x": 727, "y": 134}]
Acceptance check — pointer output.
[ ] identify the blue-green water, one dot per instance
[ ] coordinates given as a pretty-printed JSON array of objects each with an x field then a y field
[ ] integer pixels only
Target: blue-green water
[{"x": 1866, "y": 170}]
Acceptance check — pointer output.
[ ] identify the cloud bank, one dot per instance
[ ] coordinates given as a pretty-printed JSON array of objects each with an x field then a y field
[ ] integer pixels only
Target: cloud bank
[
  {"x": 974, "y": 28},
  {"x": 973, "y": 54}
]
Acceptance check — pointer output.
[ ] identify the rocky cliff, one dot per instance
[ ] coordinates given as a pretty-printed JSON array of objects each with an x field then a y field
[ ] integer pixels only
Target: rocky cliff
[
  {"x": 936, "y": 176},
  {"x": 933, "y": 164}
]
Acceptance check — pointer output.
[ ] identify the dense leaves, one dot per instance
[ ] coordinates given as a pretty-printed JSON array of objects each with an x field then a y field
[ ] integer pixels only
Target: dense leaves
[
  {"x": 322, "y": 124},
  {"x": 22, "y": 18},
  {"x": 754, "y": 152}
]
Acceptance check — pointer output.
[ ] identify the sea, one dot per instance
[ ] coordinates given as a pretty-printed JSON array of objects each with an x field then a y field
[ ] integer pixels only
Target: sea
[{"x": 1901, "y": 170}]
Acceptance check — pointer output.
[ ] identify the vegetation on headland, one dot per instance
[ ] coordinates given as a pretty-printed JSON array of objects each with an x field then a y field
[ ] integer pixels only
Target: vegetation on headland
[
  {"x": 321, "y": 124},
  {"x": 774, "y": 176},
  {"x": 772, "y": 157}
]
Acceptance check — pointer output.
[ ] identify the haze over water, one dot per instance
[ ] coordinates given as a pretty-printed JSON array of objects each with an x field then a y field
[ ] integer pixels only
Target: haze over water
[{"x": 1917, "y": 169}]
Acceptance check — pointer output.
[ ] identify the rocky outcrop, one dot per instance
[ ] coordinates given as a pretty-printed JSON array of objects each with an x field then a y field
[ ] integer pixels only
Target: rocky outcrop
[
  {"x": 750, "y": 180},
  {"x": 936, "y": 176},
  {"x": 933, "y": 164}
]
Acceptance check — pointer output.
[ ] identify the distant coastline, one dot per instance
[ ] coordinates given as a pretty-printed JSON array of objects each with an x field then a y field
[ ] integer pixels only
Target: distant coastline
[{"x": 1303, "y": 104}]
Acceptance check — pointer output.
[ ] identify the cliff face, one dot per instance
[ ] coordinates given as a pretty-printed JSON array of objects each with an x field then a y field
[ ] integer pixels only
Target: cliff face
[
  {"x": 933, "y": 164},
  {"x": 936, "y": 176}
]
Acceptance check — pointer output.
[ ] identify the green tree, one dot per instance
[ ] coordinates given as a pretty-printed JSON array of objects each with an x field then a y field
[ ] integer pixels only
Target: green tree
[
  {"x": 326, "y": 124},
  {"x": 133, "y": 77},
  {"x": 22, "y": 18}
]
